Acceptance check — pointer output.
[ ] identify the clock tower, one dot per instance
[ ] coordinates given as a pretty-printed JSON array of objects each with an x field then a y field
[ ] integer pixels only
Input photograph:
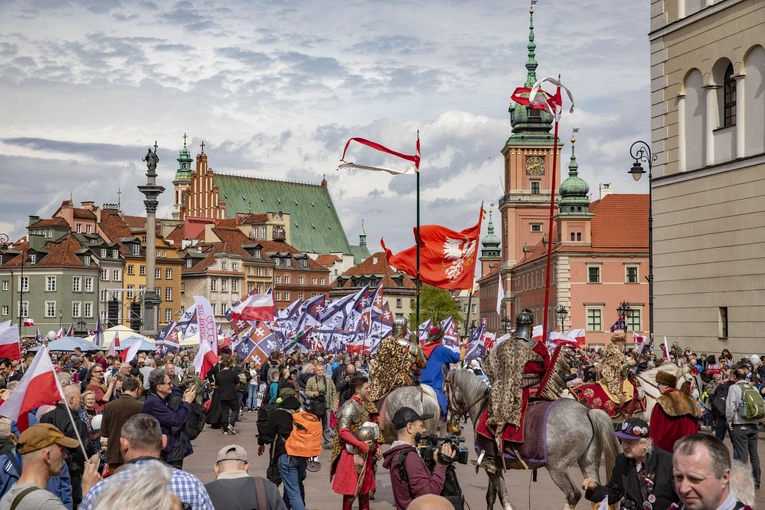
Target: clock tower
[{"x": 528, "y": 158}]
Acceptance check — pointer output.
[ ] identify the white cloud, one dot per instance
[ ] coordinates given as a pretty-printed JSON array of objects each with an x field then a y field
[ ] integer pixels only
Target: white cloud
[{"x": 274, "y": 88}]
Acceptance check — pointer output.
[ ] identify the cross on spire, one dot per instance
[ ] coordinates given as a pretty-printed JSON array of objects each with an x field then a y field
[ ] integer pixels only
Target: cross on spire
[
  {"x": 184, "y": 139},
  {"x": 119, "y": 197},
  {"x": 203, "y": 147}
]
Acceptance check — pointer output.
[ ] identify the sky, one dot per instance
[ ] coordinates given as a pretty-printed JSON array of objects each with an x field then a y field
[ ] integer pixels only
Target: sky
[{"x": 274, "y": 88}]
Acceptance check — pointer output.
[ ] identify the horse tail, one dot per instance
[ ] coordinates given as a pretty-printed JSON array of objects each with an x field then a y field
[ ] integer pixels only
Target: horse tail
[{"x": 604, "y": 434}]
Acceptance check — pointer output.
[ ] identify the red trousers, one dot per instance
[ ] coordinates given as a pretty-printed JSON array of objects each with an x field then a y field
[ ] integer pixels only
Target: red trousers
[{"x": 363, "y": 502}]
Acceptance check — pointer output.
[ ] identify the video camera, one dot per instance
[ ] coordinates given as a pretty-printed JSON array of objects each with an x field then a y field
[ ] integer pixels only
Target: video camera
[{"x": 433, "y": 444}]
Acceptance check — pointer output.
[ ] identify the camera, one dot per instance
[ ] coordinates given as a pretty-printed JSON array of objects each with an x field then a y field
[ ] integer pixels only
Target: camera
[{"x": 433, "y": 444}]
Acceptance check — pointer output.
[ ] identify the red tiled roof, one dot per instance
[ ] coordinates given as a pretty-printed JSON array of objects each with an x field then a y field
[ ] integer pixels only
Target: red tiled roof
[
  {"x": 328, "y": 260},
  {"x": 135, "y": 221},
  {"x": 378, "y": 264},
  {"x": 50, "y": 222},
  {"x": 61, "y": 253},
  {"x": 114, "y": 227},
  {"x": 83, "y": 214}
]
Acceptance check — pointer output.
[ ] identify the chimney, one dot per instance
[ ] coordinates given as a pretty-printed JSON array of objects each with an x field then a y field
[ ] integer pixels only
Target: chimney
[{"x": 605, "y": 190}]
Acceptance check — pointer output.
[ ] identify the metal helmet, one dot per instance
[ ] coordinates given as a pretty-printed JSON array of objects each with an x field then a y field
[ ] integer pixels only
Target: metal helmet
[
  {"x": 399, "y": 327},
  {"x": 523, "y": 327}
]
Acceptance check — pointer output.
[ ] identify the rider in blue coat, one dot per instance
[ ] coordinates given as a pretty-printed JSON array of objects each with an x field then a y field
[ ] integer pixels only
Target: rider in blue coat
[{"x": 433, "y": 373}]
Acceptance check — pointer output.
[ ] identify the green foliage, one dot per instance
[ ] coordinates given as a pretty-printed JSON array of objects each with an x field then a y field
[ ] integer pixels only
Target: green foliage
[{"x": 436, "y": 305}]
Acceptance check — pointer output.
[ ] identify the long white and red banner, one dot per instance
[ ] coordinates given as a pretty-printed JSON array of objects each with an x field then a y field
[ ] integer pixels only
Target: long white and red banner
[
  {"x": 208, "y": 331},
  {"x": 415, "y": 159}
]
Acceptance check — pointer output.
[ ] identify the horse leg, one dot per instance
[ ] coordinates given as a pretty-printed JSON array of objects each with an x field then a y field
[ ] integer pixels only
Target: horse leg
[
  {"x": 491, "y": 495},
  {"x": 498, "y": 481},
  {"x": 564, "y": 483},
  {"x": 589, "y": 463}
]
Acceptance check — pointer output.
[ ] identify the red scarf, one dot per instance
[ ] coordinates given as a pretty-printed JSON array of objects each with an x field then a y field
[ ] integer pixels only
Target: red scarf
[{"x": 428, "y": 348}]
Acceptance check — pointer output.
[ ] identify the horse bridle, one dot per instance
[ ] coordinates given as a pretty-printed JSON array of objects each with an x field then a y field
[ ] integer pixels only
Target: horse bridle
[{"x": 451, "y": 404}]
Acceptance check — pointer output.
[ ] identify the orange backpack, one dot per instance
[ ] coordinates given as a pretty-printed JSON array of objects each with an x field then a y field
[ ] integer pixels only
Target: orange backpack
[{"x": 305, "y": 439}]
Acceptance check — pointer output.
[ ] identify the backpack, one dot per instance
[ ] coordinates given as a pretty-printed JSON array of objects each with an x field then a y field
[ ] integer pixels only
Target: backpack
[
  {"x": 719, "y": 398},
  {"x": 305, "y": 439},
  {"x": 752, "y": 405},
  {"x": 196, "y": 421},
  {"x": 451, "y": 491}
]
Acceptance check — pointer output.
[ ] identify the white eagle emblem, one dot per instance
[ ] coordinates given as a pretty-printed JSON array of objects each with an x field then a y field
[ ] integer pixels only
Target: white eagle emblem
[{"x": 458, "y": 252}]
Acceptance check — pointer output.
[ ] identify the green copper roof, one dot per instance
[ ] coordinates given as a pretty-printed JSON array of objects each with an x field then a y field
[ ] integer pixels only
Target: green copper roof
[
  {"x": 491, "y": 243},
  {"x": 530, "y": 126},
  {"x": 360, "y": 253},
  {"x": 574, "y": 190},
  {"x": 183, "y": 174},
  {"x": 314, "y": 224}
]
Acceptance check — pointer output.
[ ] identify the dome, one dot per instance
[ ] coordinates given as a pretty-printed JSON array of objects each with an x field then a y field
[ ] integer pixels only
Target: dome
[
  {"x": 491, "y": 243},
  {"x": 574, "y": 190}
]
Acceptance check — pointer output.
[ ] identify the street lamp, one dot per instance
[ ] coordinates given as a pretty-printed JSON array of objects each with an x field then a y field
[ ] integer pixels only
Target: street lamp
[
  {"x": 81, "y": 325},
  {"x": 60, "y": 319},
  {"x": 641, "y": 151},
  {"x": 505, "y": 324},
  {"x": 562, "y": 313},
  {"x": 624, "y": 308},
  {"x": 472, "y": 328}
]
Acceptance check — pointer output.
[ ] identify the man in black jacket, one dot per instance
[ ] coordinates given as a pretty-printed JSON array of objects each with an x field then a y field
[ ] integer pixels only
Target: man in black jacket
[
  {"x": 343, "y": 383},
  {"x": 225, "y": 384},
  {"x": 642, "y": 473},
  {"x": 59, "y": 417}
]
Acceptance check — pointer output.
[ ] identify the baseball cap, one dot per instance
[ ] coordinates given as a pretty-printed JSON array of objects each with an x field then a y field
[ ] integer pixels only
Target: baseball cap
[
  {"x": 232, "y": 452},
  {"x": 631, "y": 429},
  {"x": 41, "y": 436},
  {"x": 407, "y": 415}
]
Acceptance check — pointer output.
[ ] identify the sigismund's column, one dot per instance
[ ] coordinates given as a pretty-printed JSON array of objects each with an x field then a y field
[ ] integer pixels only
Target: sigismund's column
[{"x": 151, "y": 191}]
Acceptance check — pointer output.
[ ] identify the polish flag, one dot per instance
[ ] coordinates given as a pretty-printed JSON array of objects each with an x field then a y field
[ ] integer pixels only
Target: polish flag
[
  {"x": 131, "y": 352},
  {"x": 665, "y": 348},
  {"x": 60, "y": 333},
  {"x": 256, "y": 307},
  {"x": 577, "y": 335},
  {"x": 39, "y": 386},
  {"x": 557, "y": 338},
  {"x": 28, "y": 322},
  {"x": 640, "y": 341},
  {"x": 537, "y": 333},
  {"x": 204, "y": 360},
  {"x": 10, "y": 345},
  {"x": 413, "y": 158},
  {"x": 113, "y": 346}
]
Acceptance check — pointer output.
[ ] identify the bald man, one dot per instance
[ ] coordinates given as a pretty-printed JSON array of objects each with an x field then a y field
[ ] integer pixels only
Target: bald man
[{"x": 430, "y": 502}]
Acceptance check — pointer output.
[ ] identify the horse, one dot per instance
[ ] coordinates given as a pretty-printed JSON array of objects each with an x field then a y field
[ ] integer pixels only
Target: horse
[
  {"x": 420, "y": 398},
  {"x": 574, "y": 434},
  {"x": 647, "y": 382}
]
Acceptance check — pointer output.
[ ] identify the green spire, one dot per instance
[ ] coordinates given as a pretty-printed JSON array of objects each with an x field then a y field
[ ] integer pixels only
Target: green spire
[
  {"x": 491, "y": 243},
  {"x": 574, "y": 190},
  {"x": 183, "y": 174},
  {"x": 362, "y": 235},
  {"x": 531, "y": 63}
]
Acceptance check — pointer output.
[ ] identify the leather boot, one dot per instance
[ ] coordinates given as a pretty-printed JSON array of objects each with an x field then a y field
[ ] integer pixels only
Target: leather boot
[{"x": 487, "y": 458}]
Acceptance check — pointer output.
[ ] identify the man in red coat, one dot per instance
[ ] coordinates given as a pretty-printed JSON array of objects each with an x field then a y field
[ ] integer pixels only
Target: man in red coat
[{"x": 674, "y": 416}]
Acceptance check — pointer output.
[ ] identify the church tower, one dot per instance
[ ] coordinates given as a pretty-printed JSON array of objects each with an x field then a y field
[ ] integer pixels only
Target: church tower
[
  {"x": 528, "y": 157},
  {"x": 491, "y": 253},
  {"x": 573, "y": 222},
  {"x": 182, "y": 180}
]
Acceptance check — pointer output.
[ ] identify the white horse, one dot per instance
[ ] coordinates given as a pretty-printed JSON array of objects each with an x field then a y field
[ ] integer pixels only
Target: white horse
[{"x": 647, "y": 382}]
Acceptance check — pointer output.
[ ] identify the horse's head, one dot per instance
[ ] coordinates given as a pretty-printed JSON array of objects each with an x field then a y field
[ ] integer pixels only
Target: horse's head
[{"x": 465, "y": 391}]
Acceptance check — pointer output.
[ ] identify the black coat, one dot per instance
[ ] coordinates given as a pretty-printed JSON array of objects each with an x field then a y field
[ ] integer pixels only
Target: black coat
[
  {"x": 75, "y": 460},
  {"x": 226, "y": 381},
  {"x": 624, "y": 481}
]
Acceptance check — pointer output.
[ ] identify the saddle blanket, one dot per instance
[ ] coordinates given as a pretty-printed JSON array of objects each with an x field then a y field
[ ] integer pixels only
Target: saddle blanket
[
  {"x": 596, "y": 396},
  {"x": 534, "y": 448}
]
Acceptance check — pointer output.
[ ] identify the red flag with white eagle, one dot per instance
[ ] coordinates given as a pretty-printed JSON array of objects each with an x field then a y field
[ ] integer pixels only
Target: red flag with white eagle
[
  {"x": 447, "y": 258},
  {"x": 39, "y": 386},
  {"x": 414, "y": 159}
]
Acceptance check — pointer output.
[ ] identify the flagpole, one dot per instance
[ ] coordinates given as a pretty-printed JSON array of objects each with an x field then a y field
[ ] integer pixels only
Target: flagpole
[
  {"x": 550, "y": 228},
  {"x": 417, "y": 291},
  {"x": 74, "y": 426}
]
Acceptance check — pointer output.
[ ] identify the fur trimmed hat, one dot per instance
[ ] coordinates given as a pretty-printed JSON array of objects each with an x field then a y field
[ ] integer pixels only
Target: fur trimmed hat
[
  {"x": 435, "y": 334},
  {"x": 666, "y": 378}
]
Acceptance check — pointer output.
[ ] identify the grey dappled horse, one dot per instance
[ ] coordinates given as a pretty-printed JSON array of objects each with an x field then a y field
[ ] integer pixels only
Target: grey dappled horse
[
  {"x": 424, "y": 402},
  {"x": 575, "y": 434}
]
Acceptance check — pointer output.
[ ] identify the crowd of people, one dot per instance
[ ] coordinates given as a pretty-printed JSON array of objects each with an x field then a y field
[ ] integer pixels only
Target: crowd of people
[{"x": 135, "y": 422}]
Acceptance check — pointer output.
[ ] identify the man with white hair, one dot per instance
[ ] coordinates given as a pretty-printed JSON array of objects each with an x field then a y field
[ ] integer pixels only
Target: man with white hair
[{"x": 642, "y": 474}]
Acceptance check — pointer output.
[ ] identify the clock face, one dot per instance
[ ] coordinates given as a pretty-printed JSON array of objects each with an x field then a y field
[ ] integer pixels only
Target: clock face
[{"x": 535, "y": 165}]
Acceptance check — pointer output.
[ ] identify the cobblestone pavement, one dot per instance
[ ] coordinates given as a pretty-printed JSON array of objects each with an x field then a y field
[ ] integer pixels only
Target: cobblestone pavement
[{"x": 524, "y": 493}]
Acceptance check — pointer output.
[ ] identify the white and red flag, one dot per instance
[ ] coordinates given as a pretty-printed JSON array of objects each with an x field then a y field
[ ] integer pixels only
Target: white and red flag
[
  {"x": 254, "y": 307},
  {"x": 10, "y": 344},
  {"x": 538, "y": 99},
  {"x": 208, "y": 331},
  {"x": 28, "y": 322},
  {"x": 640, "y": 341},
  {"x": 39, "y": 386},
  {"x": 413, "y": 168},
  {"x": 557, "y": 338},
  {"x": 665, "y": 348},
  {"x": 205, "y": 360},
  {"x": 131, "y": 352},
  {"x": 60, "y": 333},
  {"x": 537, "y": 333},
  {"x": 114, "y": 345},
  {"x": 577, "y": 335}
]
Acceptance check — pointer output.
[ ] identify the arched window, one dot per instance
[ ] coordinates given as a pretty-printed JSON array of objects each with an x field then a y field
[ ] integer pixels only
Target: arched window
[{"x": 729, "y": 98}]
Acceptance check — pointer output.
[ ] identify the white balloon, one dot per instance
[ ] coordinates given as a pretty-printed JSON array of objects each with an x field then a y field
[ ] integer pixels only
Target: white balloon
[
  {"x": 51, "y": 335},
  {"x": 95, "y": 423},
  {"x": 755, "y": 359}
]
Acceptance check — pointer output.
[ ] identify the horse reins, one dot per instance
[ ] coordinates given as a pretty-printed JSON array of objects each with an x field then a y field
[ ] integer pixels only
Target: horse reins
[{"x": 450, "y": 400}]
